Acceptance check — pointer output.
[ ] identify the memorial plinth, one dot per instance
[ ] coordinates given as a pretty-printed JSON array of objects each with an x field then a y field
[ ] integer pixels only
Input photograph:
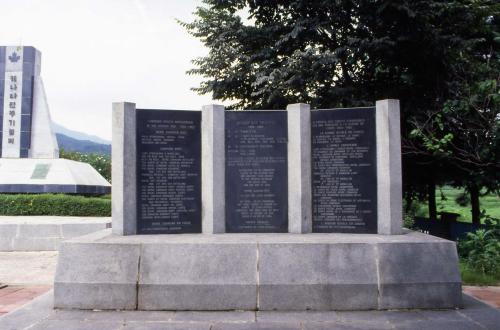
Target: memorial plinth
[
  {"x": 299, "y": 210},
  {"x": 257, "y": 272},
  {"x": 29, "y": 154}
]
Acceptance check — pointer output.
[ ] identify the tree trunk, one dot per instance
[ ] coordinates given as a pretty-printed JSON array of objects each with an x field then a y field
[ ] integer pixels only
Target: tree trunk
[
  {"x": 474, "y": 202},
  {"x": 432, "y": 200}
]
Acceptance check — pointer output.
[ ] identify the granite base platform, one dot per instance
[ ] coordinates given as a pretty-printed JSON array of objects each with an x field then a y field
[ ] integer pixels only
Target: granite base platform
[{"x": 257, "y": 272}]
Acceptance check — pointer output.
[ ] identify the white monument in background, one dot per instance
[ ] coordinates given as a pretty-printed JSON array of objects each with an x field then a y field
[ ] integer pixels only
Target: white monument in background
[{"x": 29, "y": 161}]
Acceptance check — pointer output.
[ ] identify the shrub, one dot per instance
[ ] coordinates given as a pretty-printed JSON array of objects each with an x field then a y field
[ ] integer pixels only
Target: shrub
[
  {"x": 100, "y": 162},
  {"x": 481, "y": 251},
  {"x": 54, "y": 204}
]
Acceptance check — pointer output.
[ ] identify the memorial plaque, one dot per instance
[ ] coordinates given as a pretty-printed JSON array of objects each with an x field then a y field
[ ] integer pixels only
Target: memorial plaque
[
  {"x": 256, "y": 172},
  {"x": 344, "y": 174},
  {"x": 168, "y": 172}
]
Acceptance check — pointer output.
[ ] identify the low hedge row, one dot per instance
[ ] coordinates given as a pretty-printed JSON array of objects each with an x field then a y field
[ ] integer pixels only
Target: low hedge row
[{"x": 54, "y": 204}]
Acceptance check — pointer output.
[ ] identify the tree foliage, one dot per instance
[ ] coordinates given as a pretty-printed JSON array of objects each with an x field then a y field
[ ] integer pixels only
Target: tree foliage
[
  {"x": 440, "y": 58},
  {"x": 100, "y": 162}
]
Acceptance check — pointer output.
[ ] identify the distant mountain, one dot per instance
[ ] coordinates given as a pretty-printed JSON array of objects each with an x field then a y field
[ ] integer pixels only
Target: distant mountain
[
  {"x": 85, "y": 146},
  {"x": 58, "y": 129}
]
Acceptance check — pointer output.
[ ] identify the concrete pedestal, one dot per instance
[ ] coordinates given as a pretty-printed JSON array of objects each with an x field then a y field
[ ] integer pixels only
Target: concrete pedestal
[
  {"x": 30, "y": 175},
  {"x": 257, "y": 272}
]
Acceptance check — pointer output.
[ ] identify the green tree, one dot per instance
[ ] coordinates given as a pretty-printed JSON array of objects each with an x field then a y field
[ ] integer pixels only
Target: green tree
[
  {"x": 101, "y": 163},
  {"x": 266, "y": 54},
  {"x": 465, "y": 133}
]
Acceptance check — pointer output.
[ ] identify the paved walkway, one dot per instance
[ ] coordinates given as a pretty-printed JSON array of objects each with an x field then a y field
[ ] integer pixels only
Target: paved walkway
[
  {"x": 487, "y": 294},
  {"x": 39, "y": 315},
  {"x": 13, "y": 297},
  {"x": 28, "y": 268}
]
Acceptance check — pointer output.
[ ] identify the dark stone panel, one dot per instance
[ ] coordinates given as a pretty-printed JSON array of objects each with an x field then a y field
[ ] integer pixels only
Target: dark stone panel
[
  {"x": 54, "y": 188},
  {"x": 344, "y": 173},
  {"x": 168, "y": 171},
  {"x": 28, "y": 83},
  {"x": 23, "y": 152},
  {"x": 29, "y": 53},
  {"x": 25, "y": 139},
  {"x": 2, "y": 86},
  {"x": 2, "y": 56},
  {"x": 25, "y": 122},
  {"x": 28, "y": 72},
  {"x": 256, "y": 172},
  {"x": 27, "y": 106}
]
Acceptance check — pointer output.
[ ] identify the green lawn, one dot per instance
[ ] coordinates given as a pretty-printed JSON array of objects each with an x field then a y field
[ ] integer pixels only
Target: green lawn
[
  {"x": 445, "y": 201},
  {"x": 470, "y": 277}
]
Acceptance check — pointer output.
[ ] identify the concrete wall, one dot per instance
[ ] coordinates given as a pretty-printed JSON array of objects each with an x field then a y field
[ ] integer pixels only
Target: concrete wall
[{"x": 42, "y": 233}]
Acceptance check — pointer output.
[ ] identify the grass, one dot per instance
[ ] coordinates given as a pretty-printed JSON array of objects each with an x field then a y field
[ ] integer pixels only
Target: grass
[
  {"x": 471, "y": 277},
  {"x": 446, "y": 202}
]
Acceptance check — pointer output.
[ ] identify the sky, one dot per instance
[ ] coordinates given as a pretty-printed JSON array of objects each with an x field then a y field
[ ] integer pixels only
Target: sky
[{"x": 95, "y": 52}]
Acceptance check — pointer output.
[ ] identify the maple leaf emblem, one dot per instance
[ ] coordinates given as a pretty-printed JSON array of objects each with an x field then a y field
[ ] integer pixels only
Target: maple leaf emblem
[{"x": 14, "y": 57}]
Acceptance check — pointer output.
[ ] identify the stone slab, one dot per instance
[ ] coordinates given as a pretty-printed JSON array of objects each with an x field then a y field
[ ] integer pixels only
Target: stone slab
[
  {"x": 325, "y": 276},
  {"x": 197, "y": 277},
  {"x": 257, "y": 271},
  {"x": 96, "y": 276},
  {"x": 418, "y": 279},
  {"x": 45, "y": 233}
]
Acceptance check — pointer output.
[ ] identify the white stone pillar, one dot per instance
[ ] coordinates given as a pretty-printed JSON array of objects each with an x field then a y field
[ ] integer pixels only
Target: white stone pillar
[
  {"x": 299, "y": 168},
  {"x": 213, "y": 190},
  {"x": 123, "y": 173},
  {"x": 389, "y": 175}
]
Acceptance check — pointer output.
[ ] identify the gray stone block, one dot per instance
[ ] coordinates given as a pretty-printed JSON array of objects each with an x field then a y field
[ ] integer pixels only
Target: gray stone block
[
  {"x": 421, "y": 295},
  {"x": 389, "y": 174},
  {"x": 197, "y": 297},
  {"x": 102, "y": 276},
  {"x": 6, "y": 244},
  {"x": 213, "y": 169},
  {"x": 8, "y": 230},
  {"x": 95, "y": 296},
  {"x": 35, "y": 230},
  {"x": 79, "y": 229},
  {"x": 317, "y": 276},
  {"x": 416, "y": 275},
  {"x": 35, "y": 233},
  {"x": 198, "y": 277},
  {"x": 36, "y": 243},
  {"x": 299, "y": 168},
  {"x": 123, "y": 174}
]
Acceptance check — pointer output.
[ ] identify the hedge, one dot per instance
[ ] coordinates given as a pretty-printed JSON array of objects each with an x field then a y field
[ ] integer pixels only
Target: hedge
[{"x": 54, "y": 204}]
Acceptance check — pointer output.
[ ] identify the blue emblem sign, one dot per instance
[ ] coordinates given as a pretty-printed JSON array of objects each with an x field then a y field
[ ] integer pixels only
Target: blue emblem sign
[{"x": 14, "y": 57}]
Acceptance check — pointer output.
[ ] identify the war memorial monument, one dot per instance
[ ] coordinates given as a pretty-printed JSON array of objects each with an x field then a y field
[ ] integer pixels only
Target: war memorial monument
[
  {"x": 295, "y": 209},
  {"x": 29, "y": 154}
]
